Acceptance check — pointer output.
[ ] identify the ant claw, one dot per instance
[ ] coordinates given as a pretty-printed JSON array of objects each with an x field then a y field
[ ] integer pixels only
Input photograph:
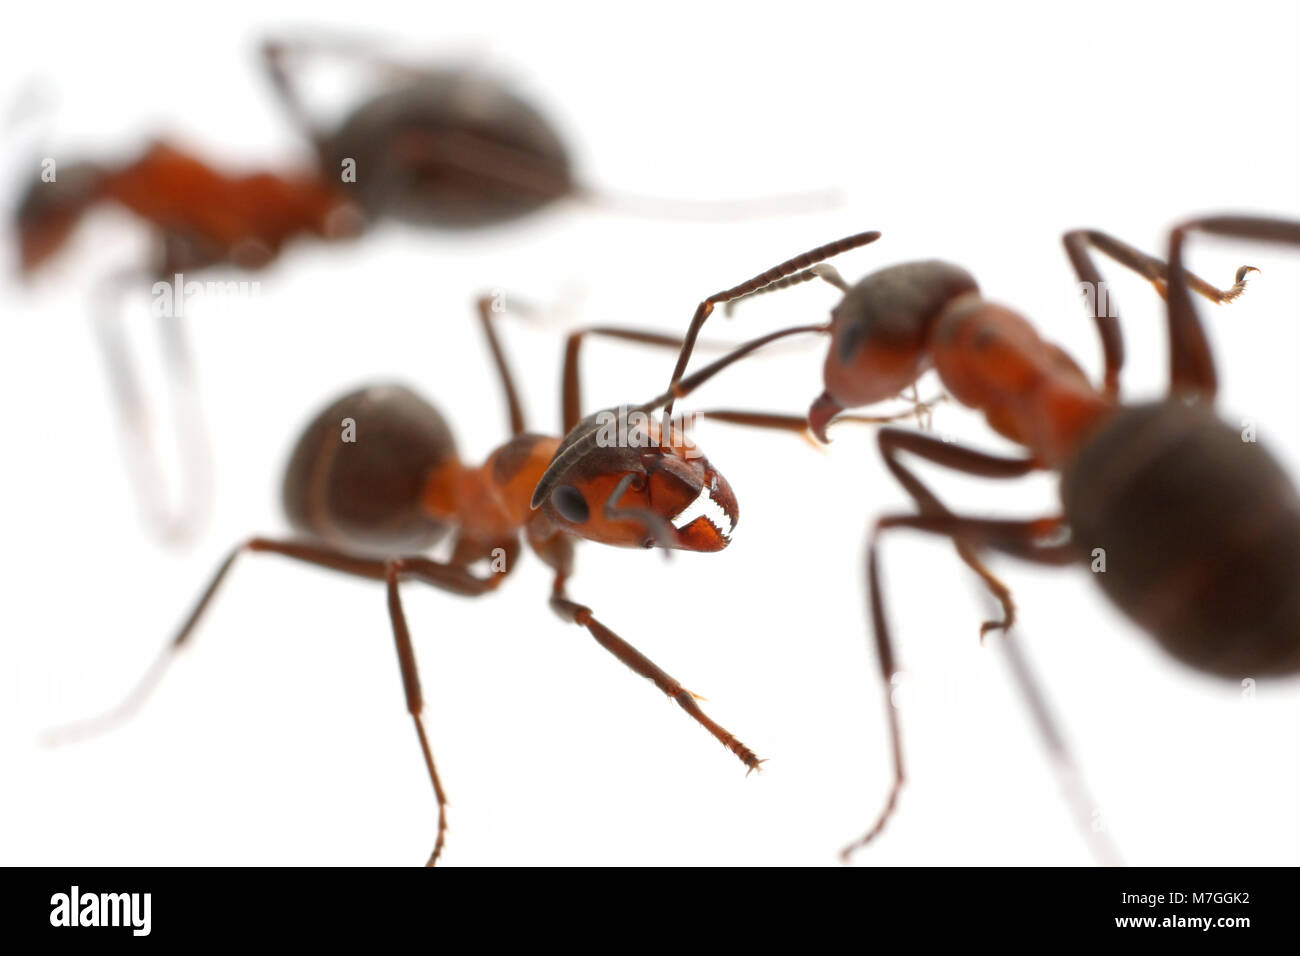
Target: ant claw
[
  {"x": 1238, "y": 284},
  {"x": 756, "y": 766},
  {"x": 992, "y": 626}
]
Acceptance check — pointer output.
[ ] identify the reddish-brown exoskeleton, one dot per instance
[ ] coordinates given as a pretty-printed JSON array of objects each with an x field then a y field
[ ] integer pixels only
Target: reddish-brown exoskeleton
[
  {"x": 1201, "y": 529},
  {"x": 374, "y": 506},
  {"x": 435, "y": 148}
]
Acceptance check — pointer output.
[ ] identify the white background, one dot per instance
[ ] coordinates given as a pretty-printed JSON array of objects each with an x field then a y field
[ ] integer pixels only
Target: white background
[{"x": 973, "y": 132}]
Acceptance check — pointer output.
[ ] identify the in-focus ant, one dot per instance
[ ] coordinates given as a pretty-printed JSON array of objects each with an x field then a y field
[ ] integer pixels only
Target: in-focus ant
[{"x": 373, "y": 501}]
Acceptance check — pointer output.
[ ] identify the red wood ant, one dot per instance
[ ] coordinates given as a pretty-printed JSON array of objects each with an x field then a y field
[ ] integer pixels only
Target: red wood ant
[
  {"x": 435, "y": 148},
  {"x": 1201, "y": 529},
  {"x": 373, "y": 506}
]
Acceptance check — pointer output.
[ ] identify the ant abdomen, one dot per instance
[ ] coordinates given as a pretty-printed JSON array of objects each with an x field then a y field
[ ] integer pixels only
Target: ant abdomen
[
  {"x": 454, "y": 150},
  {"x": 1193, "y": 529},
  {"x": 357, "y": 475}
]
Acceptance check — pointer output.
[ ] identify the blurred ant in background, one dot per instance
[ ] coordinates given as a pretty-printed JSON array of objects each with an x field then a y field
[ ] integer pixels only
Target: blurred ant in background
[{"x": 434, "y": 148}]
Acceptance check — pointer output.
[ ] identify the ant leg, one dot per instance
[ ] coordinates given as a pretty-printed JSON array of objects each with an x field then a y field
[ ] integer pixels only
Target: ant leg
[
  {"x": 571, "y": 389},
  {"x": 415, "y": 704},
  {"x": 459, "y": 581},
  {"x": 1191, "y": 367},
  {"x": 787, "y": 268},
  {"x": 276, "y": 56},
  {"x": 444, "y": 576},
  {"x": 494, "y": 305},
  {"x": 489, "y": 306},
  {"x": 447, "y": 577},
  {"x": 172, "y": 521},
  {"x": 891, "y": 441},
  {"x": 922, "y": 410},
  {"x": 1020, "y": 538},
  {"x": 644, "y": 667},
  {"x": 1149, "y": 267}
]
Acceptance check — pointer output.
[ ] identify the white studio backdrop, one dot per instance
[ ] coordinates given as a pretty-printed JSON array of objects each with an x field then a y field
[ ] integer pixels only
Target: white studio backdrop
[{"x": 974, "y": 133}]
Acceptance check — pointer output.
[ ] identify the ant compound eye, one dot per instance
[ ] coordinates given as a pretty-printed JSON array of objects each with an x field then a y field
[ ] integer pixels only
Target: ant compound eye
[
  {"x": 568, "y": 501},
  {"x": 851, "y": 336}
]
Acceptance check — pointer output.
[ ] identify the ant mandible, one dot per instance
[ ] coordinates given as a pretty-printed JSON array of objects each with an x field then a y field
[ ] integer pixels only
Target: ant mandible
[
  {"x": 1201, "y": 529},
  {"x": 445, "y": 148}
]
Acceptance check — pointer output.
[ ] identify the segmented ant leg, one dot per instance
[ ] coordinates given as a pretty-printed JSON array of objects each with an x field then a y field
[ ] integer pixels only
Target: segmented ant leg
[
  {"x": 787, "y": 268},
  {"x": 644, "y": 667},
  {"x": 1191, "y": 367},
  {"x": 277, "y": 59},
  {"x": 415, "y": 704},
  {"x": 488, "y": 308},
  {"x": 571, "y": 389},
  {"x": 1021, "y": 539},
  {"x": 891, "y": 441},
  {"x": 173, "y": 519},
  {"x": 1105, "y": 313},
  {"x": 921, "y": 410},
  {"x": 492, "y": 306},
  {"x": 459, "y": 581},
  {"x": 456, "y": 580},
  {"x": 447, "y": 577},
  {"x": 274, "y": 55}
]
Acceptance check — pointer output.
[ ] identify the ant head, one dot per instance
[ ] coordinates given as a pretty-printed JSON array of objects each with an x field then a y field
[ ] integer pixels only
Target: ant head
[
  {"x": 880, "y": 333},
  {"x": 613, "y": 480},
  {"x": 51, "y": 209}
]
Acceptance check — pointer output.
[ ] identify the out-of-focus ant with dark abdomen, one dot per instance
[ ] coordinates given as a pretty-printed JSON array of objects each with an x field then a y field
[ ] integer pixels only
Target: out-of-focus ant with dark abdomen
[
  {"x": 1201, "y": 529},
  {"x": 434, "y": 148},
  {"x": 438, "y": 148}
]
